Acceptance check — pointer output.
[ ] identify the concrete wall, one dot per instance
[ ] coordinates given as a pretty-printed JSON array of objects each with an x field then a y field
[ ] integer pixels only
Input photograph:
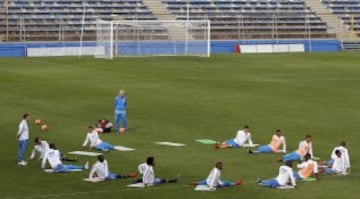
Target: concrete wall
[
  {"x": 19, "y": 49},
  {"x": 312, "y": 46}
]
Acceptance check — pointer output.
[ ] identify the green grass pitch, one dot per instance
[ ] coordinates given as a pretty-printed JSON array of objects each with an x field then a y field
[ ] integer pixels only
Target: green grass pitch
[{"x": 181, "y": 99}]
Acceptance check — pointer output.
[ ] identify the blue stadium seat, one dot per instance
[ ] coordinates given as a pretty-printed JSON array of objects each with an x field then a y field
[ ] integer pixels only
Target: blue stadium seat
[
  {"x": 347, "y": 10},
  {"x": 232, "y": 19}
]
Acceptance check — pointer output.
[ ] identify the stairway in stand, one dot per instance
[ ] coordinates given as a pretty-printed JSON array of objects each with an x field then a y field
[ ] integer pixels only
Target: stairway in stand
[
  {"x": 332, "y": 20},
  {"x": 160, "y": 11}
]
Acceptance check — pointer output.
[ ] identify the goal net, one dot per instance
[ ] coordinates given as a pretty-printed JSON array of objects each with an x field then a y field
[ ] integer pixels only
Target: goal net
[{"x": 152, "y": 38}]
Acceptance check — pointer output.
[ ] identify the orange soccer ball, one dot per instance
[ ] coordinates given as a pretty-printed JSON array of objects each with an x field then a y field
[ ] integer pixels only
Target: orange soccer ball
[
  {"x": 37, "y": 121},
  {"x": 44, "y": 127},
  {"x": 122, "y": 130}
]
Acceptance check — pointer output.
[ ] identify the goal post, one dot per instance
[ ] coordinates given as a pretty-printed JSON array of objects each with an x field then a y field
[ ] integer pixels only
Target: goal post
[
  {"x": 104, "y": 39},
  {"x": 152, "y": 38}
]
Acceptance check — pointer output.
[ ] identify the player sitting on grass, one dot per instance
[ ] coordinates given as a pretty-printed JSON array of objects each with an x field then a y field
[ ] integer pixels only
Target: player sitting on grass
[
  {"x": 148, "y": 174},
  {"x": 95, "y": 141},
  {"x": 305, "y": 147},
  {"x": 308, "y": 168},
  {"x": 344, "y": 155},
  {"x": 338, "y": 165},
  {"x": 214, "y": 181},
  {"x": 141, "y": 169},
  {"x": 41, "y": 146},
  {"x": 53, "y": 156},
  {"x": 241, "y": 138},
  {"x": 105, "y": 125},
  {"x": 274, "y": 147},
  {"x": 100, "y": 170},
  {"x": 285, "y": 177}
]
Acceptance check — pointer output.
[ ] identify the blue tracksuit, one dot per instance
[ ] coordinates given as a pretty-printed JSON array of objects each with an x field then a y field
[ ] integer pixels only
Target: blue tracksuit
[{"x": 120, "y": 111}]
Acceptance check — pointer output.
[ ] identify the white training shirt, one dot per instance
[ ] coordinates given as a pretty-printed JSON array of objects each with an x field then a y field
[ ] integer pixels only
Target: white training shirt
[
  {"x": 41, "y": 148},
  {"x": 93, "y": 138},
  {"x": 285, "y": 176},
  {"x": 101, "y": 170},
  {"x": 149, "y": 175},
  {"x": 344, "y": 155},
  {"x": 53, "y": 157},
  {"x": 339, "y": 166},
  {"x": 242, "y": 137},
  {"x": 213, "y": 180},
  {"x": 23, "y": 131},
  {"x": 142, "y": 167},
  {"x": 302, "y": 148}
]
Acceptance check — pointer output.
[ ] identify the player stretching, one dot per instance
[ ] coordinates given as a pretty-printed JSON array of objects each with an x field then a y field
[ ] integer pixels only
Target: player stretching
[
  {"x": 41, "y": 147},
  {"x": 100, "y": 170},
  {"x": 54, "y": 158},
  {"x": 305, "y": 147},
  {"x": 241, "y": 138},
  {"x": 344, "y": 154},
  {"x": 214, "y": 181},
  {"x": 338, "y": 165},
  {"x": 285, "y": 177},
  {"x": 95, "y": 142},
  {"x": 274, "y": 147},
  {"x": 149, "y": 175},
  {"x": 307, "y": 168},
  {"x": 141, "y": 168}
]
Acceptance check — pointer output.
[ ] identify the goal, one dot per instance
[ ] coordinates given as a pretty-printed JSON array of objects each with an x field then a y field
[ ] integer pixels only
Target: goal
[{"x": 152, "y": 38}]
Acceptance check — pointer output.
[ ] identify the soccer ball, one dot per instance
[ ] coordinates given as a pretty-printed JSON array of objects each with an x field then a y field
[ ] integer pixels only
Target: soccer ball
[
  {"x": 44, "y": 127},
  {"x": 122, "y": 130},
  {"x": 37, "y": 121},
  {"x": 99, "y": 130}
]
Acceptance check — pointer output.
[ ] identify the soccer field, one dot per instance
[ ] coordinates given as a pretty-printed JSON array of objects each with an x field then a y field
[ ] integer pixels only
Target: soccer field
[{"x": 181, "y": 99}]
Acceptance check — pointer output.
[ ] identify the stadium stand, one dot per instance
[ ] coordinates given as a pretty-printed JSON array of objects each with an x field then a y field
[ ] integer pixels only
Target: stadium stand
[
  {"x": 53, "y": 20},
  {"x": 61, "y": 20},
  {"x": 348, "y": 11},
  {"x": 253, "y": 19}
]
